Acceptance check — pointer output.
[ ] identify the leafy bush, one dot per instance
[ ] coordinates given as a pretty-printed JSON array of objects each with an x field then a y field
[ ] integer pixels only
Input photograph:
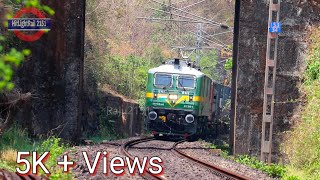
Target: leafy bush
[
  {"x": 107, "y": 126},
  {"x": 127, "y": 75},
  {"x": 8, "y": 62},
  {"x": 225, "y": 150},
  {"x": 17, "y": 139},
  {"x": 7, "y": 166},
  {"x": 56, "y": 149},
  {"x": 10, "y": 57},
  {"x": 228, "y": 65},
  {"x": 313, "y": 64},
  {"x": 303, "y": 145},
  {"x": 207, "y": 63},
  {"x": 273, "y": 170}
]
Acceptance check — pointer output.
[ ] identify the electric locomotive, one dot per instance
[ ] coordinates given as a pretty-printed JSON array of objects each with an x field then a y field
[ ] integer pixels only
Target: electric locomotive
[{"x": 181, "y": 100}]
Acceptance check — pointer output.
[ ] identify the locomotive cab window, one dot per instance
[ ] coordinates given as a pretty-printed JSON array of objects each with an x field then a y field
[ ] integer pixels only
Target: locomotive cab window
[
  {"x": 163, "y": 80},
  {"x": 186, "y": 82}
]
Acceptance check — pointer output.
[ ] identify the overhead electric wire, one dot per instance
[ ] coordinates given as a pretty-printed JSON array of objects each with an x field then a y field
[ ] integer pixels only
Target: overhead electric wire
[
  {"x": 179, "y": 2},
  {"x": 209, "y": 40},
  {"x": 220, "y": 33},
  {"x": 182, "y": 16},
  {"x": 177, "y": 9},
  {"x": 220, "y": 44},
  {"x": 175, "y": 20},
  {"x": 226, "y": 46},
  {"x": 191, "y": 48},
  {"x": 192, "y": 5}
]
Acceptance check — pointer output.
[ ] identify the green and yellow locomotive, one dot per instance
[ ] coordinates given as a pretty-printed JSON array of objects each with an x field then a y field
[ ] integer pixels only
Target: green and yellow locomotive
[{"x": 181, "y": 100}]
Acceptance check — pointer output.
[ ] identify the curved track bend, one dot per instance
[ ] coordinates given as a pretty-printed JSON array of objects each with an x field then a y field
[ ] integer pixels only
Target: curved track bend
[{"x": 220, "y": 171}]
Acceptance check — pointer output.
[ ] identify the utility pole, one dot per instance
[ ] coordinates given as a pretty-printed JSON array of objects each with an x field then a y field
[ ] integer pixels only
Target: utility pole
[
  {"x": 270, "y": 79},
  {"x": 199, "y": 43},
  {"x": 234, "y": 87},
  {"x": 184, "y": 15}
]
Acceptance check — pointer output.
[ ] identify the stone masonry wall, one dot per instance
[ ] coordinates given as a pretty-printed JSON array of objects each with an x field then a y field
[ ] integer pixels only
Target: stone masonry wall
[
  {"x": 110, "y": 113},
  {"x": 54, "y": 74},
  {"x": 298, "y": 18}
]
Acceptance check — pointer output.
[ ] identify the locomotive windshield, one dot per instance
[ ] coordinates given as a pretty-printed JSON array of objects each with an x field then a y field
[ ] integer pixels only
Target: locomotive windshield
[
  {"x": 186, "y": 82},
  {"x": 163, "y": 80}
]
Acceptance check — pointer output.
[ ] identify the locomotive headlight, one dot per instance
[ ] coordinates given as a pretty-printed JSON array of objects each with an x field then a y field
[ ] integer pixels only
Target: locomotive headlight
[
  {"x": 173, "y": 96},
  {"x": 189, "y": 118},
  {"x": 152, "y": 115}
]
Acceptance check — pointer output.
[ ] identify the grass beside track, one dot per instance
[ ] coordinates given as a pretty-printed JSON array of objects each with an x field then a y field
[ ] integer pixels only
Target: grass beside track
[
  {"x": 303, "y": 145},
  {"x": 15, "y": 139}
]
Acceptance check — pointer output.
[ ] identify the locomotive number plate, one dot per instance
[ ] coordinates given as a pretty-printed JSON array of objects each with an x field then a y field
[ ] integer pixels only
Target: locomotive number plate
[{"x": 188, "y": 106}]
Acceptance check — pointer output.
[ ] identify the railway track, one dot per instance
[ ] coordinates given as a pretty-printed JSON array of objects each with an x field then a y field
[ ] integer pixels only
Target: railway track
[
  {"x": 6, "y": 175},
  {"x": 221, "y": 172},
  {"x": 124, "y": 149}
]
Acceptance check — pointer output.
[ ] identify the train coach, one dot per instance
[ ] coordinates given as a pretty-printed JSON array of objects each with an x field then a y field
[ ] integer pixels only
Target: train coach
[{"x": 181, "y": 100}]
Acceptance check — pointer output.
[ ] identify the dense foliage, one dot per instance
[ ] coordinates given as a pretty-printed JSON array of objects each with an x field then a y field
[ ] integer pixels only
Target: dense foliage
[
  {"x": 303, "y": 145},
  {"x": 15, "y": 139},
  {"x": 9, "y": 61},
  {"x": 273, "y": 170},
  {"x": 126, "y": 47},
  {"x": 56, "y": 149},
  {"x": 10, "y": 57}
]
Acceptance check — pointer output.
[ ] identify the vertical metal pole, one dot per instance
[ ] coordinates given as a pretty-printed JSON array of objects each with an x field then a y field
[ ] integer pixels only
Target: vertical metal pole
[
  {"x": 234, "y": 75},
  {"x": 269, "y": 87},
  {"x": 199, "y": 43}
]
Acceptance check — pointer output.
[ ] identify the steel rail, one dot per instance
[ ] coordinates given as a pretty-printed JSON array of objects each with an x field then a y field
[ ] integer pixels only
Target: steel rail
[
  {"x": 221, "y": 171},
  {"x": 124, "y": 149},
  {"x": 6, "y": 175}
]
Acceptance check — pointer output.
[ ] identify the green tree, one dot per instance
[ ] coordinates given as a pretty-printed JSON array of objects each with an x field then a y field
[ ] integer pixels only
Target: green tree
[
  {"x": 208, "y": 62},
  {"x": 228, "y": 65},
  {"x": 10, "y": 57}
]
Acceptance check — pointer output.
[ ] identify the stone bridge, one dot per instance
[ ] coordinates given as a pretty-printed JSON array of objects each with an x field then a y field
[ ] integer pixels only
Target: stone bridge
[
  {"x": 298, "y": 17},
  {"x": 55, "y": 72}
]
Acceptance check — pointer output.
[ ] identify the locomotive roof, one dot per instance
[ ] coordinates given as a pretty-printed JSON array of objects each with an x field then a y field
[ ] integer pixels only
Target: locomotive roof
[{"x": 171, "y": 68}]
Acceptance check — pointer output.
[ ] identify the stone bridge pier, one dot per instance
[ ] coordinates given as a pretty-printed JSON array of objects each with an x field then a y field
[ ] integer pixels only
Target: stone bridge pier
[{"x": 298, "y": 19}]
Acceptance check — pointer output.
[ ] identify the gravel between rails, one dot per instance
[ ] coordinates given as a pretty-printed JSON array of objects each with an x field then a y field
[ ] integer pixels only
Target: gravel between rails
[
  {"x": 207, "y": 156},
  {"x": 81, "y": 171},
  {"x": 175, "y": 166}
]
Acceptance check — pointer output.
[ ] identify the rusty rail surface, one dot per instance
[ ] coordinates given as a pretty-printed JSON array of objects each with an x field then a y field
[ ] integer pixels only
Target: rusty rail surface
[
  {"x": 6, "y": 175},
  {"x": 124, "y": 149},
  {"x": 220, "y": 171}
]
